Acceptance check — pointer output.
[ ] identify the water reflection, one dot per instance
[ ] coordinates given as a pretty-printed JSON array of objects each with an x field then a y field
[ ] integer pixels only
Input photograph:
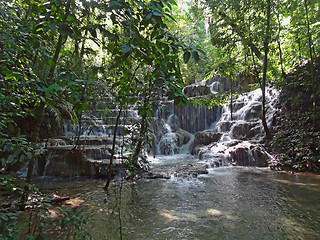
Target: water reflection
[{"x": 228, "y": 203}]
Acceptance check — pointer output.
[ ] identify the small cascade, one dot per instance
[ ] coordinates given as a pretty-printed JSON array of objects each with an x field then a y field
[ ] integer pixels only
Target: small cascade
[
  {"x": 85, "y": 149},
  {"x": 173, "y": 139},
  {"x": 238, "y": 137},
  {"x": 215, "y": 136}
]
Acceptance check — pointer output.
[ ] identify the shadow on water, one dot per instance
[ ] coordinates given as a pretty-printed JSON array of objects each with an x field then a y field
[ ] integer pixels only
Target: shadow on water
[{"x": 227, "y": 203}]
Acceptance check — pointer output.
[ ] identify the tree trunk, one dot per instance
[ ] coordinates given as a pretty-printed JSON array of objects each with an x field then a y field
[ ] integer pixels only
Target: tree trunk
[
  {"x": 279, "y": 42},
  {"x": 83, "y": 43},
  {"x": 109, "y": 174},
  {"x": 34, "y": 138},
  {"x": 40, "y": 114},
  {"x": 59, "y": 44},
  {"x": 143, "y": 129},
  {"x": 313, "y": 97},
  {"x": 264, "y": 75}
]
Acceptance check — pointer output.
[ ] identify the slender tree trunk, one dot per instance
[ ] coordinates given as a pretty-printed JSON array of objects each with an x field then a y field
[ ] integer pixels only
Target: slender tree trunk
[
  {"x": 59, "y": 44},
  {"x": 83, "y": 44},
  {"x": 279, "y": 42},
  {"x": 109, "y": 174},
  {"x": 231, "y": 104},
  {"x": 143, "y": 129},
  {"x": 264, "y": 75},
  {"x": 300, "y": 53},
  {"x": 55, "y": 57},
  {"x": 40, "y": 114},
  {"x": 313, "y": 97},
  {"x": 77, "y": 142},
  {"x": 34, "y": 138}
]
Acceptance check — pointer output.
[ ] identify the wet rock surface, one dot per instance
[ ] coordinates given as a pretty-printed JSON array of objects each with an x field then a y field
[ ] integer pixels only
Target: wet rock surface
[
  {"x": 206, "y": 137},
  {"x": 238, "y": 137},
  {"x": 215, "y": 137},
  {"x": 179, "y": 171}
]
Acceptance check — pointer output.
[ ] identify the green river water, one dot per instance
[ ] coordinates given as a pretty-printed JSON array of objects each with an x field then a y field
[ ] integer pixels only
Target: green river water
[{"x": 228, "y": 203}]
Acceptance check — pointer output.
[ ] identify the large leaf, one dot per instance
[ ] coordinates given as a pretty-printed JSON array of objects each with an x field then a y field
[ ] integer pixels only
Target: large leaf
[
  {"x": 186, "y": 56},
  {"x": 195, "y": 56},
  {"x": 93, "y": 32},
  {"x": 52, "y": 88}
]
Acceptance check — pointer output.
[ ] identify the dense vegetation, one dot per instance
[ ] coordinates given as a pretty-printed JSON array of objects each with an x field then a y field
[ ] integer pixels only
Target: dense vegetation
[
  {"x": 298, "y": 136},
  {"x": 273, "y": 42},
  {"x": 58, "y": 57}
]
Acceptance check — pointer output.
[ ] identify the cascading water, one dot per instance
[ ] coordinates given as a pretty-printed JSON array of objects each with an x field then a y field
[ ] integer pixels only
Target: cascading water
[
  {"x": 174, "y": 140},
  {"x": 85, "y": 149},
  {"x": 219, "y": 137},
  {"x": 238, "y": 136},
  {"x": 211, "y": 135}
]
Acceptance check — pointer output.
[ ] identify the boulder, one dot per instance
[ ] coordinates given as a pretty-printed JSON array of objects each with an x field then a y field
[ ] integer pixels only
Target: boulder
[
  {"x": 241, "y": 156},
  {"x": 260, "y": 156},
  {"x": 253, "y": 155},
  {"x": 182, "y": 137},
  {"x": 195, "y": 90},
  {"x": 244, "y": 130},
  {"x": 206, "y": 137}
]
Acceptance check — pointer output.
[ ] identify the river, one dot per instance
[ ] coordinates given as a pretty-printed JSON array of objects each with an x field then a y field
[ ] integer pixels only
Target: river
[{"x": 228, "y": 203}]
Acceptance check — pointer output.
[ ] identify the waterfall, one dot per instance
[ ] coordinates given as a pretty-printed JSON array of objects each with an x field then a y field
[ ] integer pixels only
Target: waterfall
[
  {"x": 209, "y": 134},
  {"x": 174, "y": 140},
  {"x": 91, "y": 155},
  {"x": 238, "y": 140}
]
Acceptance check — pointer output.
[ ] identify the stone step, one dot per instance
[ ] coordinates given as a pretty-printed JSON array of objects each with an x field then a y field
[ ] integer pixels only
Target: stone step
[
  {"x": 109, "y": 120},
  {"x": 106, "y": 161},
  {"x": 92, "y": 152},
  {"x": 82, "y": 148},
  {"x": 97, "y": 130},
  {"x": 105, "y": 113},
  {"x": 93, "y": 140},
  {"x": 105, "y": 105}
]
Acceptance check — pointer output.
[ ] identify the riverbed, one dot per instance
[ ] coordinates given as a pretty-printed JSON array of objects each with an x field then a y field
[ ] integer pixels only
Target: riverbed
[{"x": 227, "y": 203}]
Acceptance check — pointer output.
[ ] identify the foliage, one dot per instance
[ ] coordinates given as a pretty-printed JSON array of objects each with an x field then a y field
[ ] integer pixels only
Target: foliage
[
  {"x": 54, "y": 55},
  {"x": 237, "y": 27},
  {"x": 145, "y": 62},
  {"x": 40, "y": 218},
  {"x": 191, "y": 28},
  {"x": 297, "y": 140}
]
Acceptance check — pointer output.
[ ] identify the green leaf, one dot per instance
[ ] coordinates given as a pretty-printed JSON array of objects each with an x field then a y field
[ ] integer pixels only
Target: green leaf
[
  {"x": 29, "y": 155},
  {"x": 165, "y": 49},
  {"x": 107, "y": 34},
  {"x": 195, "y": 56},
  {"x": 71, "y": 18},
  {"x": 156, "y": 13},
  {"x": 115, "y": 4},
  {"x": 11, "y": 159},
  {"x": 186, "y": 56},
  {"x": 93, "y": 32},
  {"x": 148, "y": 17},
  {"x": 53, "y": 8},
  {"x": 52, "y": 88},
  {"x": 50, "y": 62}
]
